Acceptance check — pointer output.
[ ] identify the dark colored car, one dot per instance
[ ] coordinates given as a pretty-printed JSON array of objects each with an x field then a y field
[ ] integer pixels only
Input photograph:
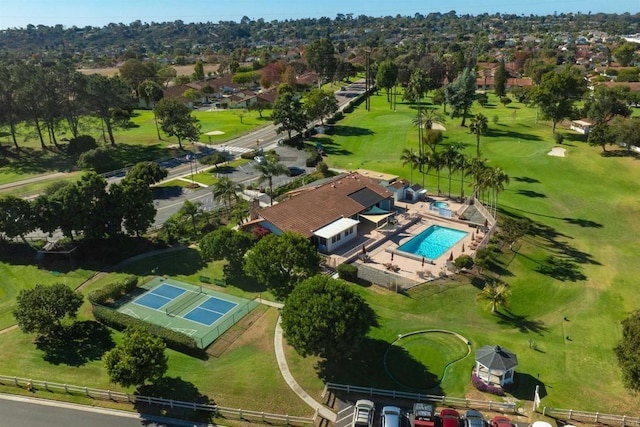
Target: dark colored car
[
  {"x": 423, "y": 415},
  {"x": 473, "y": 418},
  {"x": 500, "y": 421},
  {"x": 295, "y": 171},
  {"x": 450, "y": 418}
]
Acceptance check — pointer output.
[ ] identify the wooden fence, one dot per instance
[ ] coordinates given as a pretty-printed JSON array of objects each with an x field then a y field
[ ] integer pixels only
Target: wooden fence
[
  {"x": 591, "y": 417},
  {"x": 419, "y": 397},
  {"x": 116, "y": 396}
]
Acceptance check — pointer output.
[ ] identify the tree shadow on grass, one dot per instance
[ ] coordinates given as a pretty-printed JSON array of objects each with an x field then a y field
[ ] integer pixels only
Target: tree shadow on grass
[
  {"x": 521, "y": 322},
  {"x": 366, "y": 368},
  {"x": 342, "y": 130},
  {"x": 163, "y": 193},
  {"x": 32, "y": 161},
  {"x": 493, "y": 132},
  {"x": 526, "y": 179},
  {"x": 173, "y": 388},
  {"x": 77, "y": 344},
  {"x": 244, "y": 282},
  {"x": 620, "y": 153},
  {"x": 532, "y": 194},
  {"x": 524, "y": 386},
  {"x": 585, "y": 223},
  {"x": 184, "y": 262},
  {"x": 561, "y": 269}
]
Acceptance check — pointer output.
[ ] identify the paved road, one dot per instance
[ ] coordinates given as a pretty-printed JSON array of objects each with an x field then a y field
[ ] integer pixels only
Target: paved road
[{"x": 29, "y": 412}]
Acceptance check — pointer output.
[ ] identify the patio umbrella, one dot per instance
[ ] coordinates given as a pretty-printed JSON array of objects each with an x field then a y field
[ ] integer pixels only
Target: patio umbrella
[
  {"x": 391, "y": 256},
  {"x": 423, "y": 261},
  {"x": 473, "y": 236},
  {"x": 364, "y": 250},
  {"x": 463, "y": 247},
  {"x": 451, "y": 256}
]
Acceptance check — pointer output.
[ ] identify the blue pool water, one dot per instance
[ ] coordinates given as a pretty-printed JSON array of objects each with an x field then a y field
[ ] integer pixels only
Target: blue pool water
[
  {"x": 433, "y": 242},
  {"x": 440, "y": 204}
]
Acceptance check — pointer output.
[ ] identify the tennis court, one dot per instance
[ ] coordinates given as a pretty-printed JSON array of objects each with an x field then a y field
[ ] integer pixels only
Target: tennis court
[{"x": 201, "y": 313}]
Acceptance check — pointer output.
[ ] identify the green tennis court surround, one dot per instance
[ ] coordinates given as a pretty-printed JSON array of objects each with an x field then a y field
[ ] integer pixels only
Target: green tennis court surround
[{"x": 201, "y": 313}]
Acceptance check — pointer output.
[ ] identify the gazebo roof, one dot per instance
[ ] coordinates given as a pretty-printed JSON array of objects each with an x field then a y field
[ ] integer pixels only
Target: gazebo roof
[{"x": 496, "y": 358}]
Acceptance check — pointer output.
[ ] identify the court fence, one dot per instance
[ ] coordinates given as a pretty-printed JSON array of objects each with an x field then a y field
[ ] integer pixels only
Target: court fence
[
  {"x": 227, "y": 323},
  {"x": 116, "y": 396},
  {"x": 592, "y": 417}
]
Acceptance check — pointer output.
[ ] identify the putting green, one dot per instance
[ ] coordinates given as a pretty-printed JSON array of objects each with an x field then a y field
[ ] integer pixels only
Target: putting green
[{"x": 419, "y": 360}]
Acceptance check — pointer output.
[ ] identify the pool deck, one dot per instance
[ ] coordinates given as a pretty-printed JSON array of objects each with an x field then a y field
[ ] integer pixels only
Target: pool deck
[{"x": 381, "y": 244}]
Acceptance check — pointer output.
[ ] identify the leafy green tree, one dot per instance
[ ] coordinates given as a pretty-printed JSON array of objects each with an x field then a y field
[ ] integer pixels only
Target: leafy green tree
[
  {"x": 134, "y": 204},
  {"x": 482, "y": 99},
  {"x": 387, "y": 76},
  {"x": 321, "y": 57},
  {"x": 625, "y": 53},
  {"x": 227, "y": 190},
  {"x": 288, "y": 112},
  {"x": 104, "y": 95},
  {"x": 10, "y": 114},
  {"x": 246, "y": 78},
  {"x": 325, "y": 317},
  {"x": 81, "y": 144},
  {"x": 460, "y": 94},
  {"x": 191, "y": 212},
  {"x": 628, "y": 351},
  {"x": 320, "y": 104},
  {"x": 176, "y": 120},
  {"x": 496, "y": 293},
  {"x": 513, "y": 229},
  {"x": 601, "y": 135},
  {"x": 98, "y": 159},
  {"x": 450, "y": 157},
  {"x": 269, "y": 169},
  {"x": 500, "y": 80},
  {"x": 42, "y": 309},
  {"x": 16, "y": 217},
  {"x": 139, "y": 359},
  {"x": 198, "y": 71},
  {"x": 626, "y": 131},
  {"x": 558, "y": 92},
  {"x": 281, "y": 262},
  {"x": 147, "y": 172},
  {"x": 606, "y": 103},
  {"x": 134, "y": 72},
  {"x": 225, "y": 243},
  {"x": 463, "y": 262}
]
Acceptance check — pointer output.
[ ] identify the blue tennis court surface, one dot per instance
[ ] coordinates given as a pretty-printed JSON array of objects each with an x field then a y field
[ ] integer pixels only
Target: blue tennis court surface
[
  {"x": 210, "y": 310},
  {"x": 160, "y": 296}
]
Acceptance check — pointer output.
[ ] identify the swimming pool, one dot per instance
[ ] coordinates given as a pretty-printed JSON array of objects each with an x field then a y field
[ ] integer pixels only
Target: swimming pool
[
  {"x": 433, "y": 242},
  {"x": 440, "y": 204}
]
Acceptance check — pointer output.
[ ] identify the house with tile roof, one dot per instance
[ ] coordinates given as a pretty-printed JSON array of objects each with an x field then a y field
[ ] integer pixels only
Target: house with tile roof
[{"x": 329, "y": 213}]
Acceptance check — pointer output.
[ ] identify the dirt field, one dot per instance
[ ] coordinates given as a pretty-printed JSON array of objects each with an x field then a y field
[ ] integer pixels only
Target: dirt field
[{"x": 181, "y": 69}]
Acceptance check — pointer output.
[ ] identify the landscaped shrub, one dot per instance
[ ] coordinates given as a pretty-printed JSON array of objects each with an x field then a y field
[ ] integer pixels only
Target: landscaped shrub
[
  {"x": 313, "y": 159},
  {"x": 558, "y": 137},
  {"x": 482, "y": 386},
  {"x": 99, "y": 159},
  {"x": 348, "y": 272},
  {"x": 174, "y": 340},
  {"x": 81, "y": 144},
  {"x": 113, "y": 291}
]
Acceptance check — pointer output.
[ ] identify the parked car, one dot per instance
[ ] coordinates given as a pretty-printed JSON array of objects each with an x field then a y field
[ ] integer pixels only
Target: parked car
[
  {"x": 391, "y": 416},
  {"x": 260, "y": 159},
  {"x": 295, "y": 171},
  {"x": 450, "y": 418},
  {"x": 423, "y": 415},
  {"x": 363, "y": 413},
  {"x": 473, "y": 418},
  {"x": 501, "y": 421}
]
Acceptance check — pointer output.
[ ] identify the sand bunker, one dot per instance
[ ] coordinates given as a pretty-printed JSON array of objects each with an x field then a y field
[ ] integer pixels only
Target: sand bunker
[
  {"x": 437, "y": 126},
  {"x": 557, "y": 151}
]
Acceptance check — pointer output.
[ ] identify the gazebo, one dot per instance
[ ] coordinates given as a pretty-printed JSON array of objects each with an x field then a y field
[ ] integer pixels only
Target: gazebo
[{"x": 495, "y": 365}]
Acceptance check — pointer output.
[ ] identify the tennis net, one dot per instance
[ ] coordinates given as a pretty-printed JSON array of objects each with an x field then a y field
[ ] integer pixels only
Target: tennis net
[{"x": 184, "y": 303}]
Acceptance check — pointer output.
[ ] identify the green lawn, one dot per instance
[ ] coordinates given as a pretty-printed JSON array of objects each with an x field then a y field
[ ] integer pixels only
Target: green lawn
[{"x": 585, "y": 210}]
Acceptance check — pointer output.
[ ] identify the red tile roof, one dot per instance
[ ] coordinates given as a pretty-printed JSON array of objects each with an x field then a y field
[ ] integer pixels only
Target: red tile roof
[{"x": 318, "y": 206}]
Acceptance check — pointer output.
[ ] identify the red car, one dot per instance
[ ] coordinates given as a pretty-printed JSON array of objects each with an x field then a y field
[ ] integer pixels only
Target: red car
[
  {"x": 450, "y": 418},
  {"x": 501, "y": 421}
]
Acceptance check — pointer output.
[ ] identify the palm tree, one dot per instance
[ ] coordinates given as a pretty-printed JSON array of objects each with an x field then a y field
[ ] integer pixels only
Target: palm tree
[
  {"x": 497, "y": 181},
  {"x": 269, "y": 168},
  {"x": 410, "y": 157},
  {"x": 424, "y": 161},
  {"x": 228, "y": 190},
  {"x": 479, "y": 126},
  {"x": 496, "y": 293},
  {"x": 478, "y": 169},
  {"x": 437, "y": 163},
  {"x": 462, "y": 163},
  {"x": 449, "y": 156}
]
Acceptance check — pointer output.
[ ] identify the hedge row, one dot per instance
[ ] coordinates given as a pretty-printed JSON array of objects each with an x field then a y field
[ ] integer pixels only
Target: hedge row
[
  {"x": 113, "y": 291},
  {"x": 174, "y": 340},
  {"x": 348, "y": 272}
]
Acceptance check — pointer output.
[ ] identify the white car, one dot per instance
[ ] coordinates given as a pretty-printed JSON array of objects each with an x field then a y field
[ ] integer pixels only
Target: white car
[
  {"x": 259, "y": 159},
  {"x": 363, "y": 413}
]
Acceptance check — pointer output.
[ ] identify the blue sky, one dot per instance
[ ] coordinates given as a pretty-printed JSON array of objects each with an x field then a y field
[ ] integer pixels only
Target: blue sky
[{"x": 20, "y": 13}]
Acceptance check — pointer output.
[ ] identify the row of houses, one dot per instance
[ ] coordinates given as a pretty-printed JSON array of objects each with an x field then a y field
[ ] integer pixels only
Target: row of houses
[{"x": 223, "y": 92}]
